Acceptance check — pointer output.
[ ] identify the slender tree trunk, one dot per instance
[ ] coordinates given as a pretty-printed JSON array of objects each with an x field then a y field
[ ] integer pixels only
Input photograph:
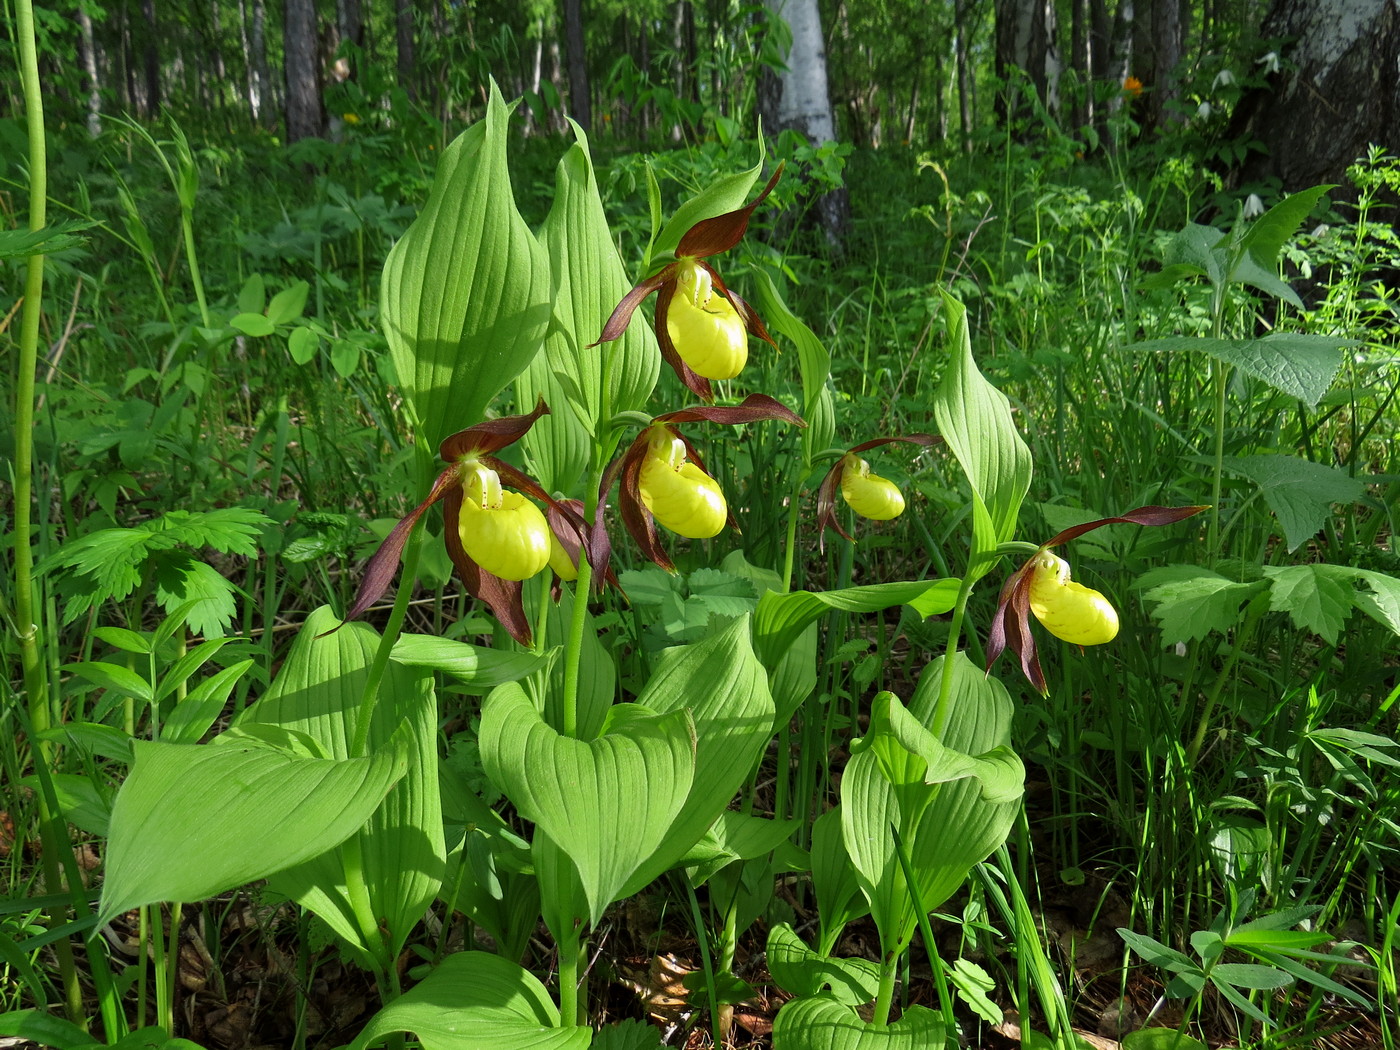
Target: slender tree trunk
[
  {"x": 151, "y": 59},
  {"x": 305, "y": 117},
  {"x": 804, "y": 101},
  {"x": 963, "y": 13},
  {"x": 89, "y": 48},
  {"x": 579, "y": 103},
  {"x": 403, "y": 37},
  {"x": 1025, "y": 40},
  {"x": 259, "y": 77}
]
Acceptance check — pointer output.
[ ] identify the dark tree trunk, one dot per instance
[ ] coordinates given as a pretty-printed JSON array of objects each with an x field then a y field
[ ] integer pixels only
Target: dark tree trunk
[
  {"x": 305, "y": 117},
  {"x": 403, "y": 38},
  {"x": 151, "y": 59},
  {"x": 1343, "y": 95},
  {"x": 580, "y": 106},
  {"x": 1161, "y": 51}
]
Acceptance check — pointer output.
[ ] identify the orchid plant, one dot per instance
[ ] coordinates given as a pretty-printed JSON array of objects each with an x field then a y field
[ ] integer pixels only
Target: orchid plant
[{"x": 335, "y": 770}]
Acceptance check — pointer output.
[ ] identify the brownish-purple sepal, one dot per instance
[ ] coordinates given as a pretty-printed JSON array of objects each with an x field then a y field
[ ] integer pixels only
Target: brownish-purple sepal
[
  {"x": 380, "y": 569},
  {"x": 491, "y": 435},
  {"x": 1011, "y": 627},
  {"x": 722, "y": 232},
  {"x": 502, "y": 597},
  {"x": 752, "y": 409},
  {"x": 1139, "y": 516},
  {"x": 621, "y": 316}
]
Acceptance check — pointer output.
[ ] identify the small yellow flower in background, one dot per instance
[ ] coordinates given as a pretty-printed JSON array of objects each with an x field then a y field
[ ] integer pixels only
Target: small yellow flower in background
[
  {"x": 1068, "y": 610},
  {"x": 350, "y": 118},
  {"x": 1132, "y": 86},
  {"x": 869, "y": 495},
  {"x": 1042, "y": 588}
]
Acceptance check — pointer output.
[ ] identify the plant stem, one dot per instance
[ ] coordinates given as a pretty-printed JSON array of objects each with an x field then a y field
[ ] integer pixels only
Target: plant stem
[
  {"x": 570, "y": 949},
  {"x": 943, "y": 709},
  {"x": 25, "y": 622},
  {"x": 889, "y": 965}
]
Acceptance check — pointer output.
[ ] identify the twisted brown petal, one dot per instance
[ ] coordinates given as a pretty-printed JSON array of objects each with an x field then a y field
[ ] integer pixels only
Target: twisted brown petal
[
  {"x": 1140, "y": 516},
  {"x": 380, "y": 569},
  {"x": 617, "y": 323}
]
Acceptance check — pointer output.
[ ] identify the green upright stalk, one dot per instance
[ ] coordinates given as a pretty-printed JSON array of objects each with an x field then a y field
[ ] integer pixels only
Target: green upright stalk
[
  {"x": 26, "y": 622},
  {"x": 944, "y": 709}
]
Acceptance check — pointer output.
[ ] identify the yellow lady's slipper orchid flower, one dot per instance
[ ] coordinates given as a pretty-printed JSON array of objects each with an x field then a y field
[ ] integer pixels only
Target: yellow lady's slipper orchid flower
[
  {"x": 1042, "y": 588},
  {"x": 494, "y": 536},
  {"x": 869, "y": 495},
  {"x": 701, "y": 326},
  {"x": 661, "y": 476},
  {"x": 1068, "y": 610},
  {"x": 500, "y": 530},
  {"x": 704, "y": 327},
  {"x": 678, "y": 493}
]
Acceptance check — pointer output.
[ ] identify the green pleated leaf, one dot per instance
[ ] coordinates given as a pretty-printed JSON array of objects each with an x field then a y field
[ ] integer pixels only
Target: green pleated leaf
[
  {"x": 947, "y": 827},
  {"x": 722, "y": 686},
  {"x": 193, "y": 821},
  {"x": 465, "y": 296},
  {"x": 725, "y": 194},
  {"x": 803, "y": 972},
  {"x": 813, "y": 362},
  {"x": 476, "y": 1001},
  {"x": 472, "y": 664},
  {"x": 582, "y": 381},
  {"x": 781, "y": 618},
  {"x": 734, "y": 836},
  {"x": 317, "y": 694},
  {"x": 607, "y": 803},
  {"x": 822, "y": 1023},
  {"x": 974, "y": 418},
  {"x": 839, "y": 900}
]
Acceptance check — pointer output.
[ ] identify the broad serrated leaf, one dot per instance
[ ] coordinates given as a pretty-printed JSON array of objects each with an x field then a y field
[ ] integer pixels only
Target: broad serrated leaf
[
  {"x": 1268, "y": 234},
  {"x": 1192, "y": 602},
  {"x": 1297, "y": 364},
  {"x": 1300, "y": 492},
  {"x": 182, "y": 581},
  {"x": 1315, "y": 599}
]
